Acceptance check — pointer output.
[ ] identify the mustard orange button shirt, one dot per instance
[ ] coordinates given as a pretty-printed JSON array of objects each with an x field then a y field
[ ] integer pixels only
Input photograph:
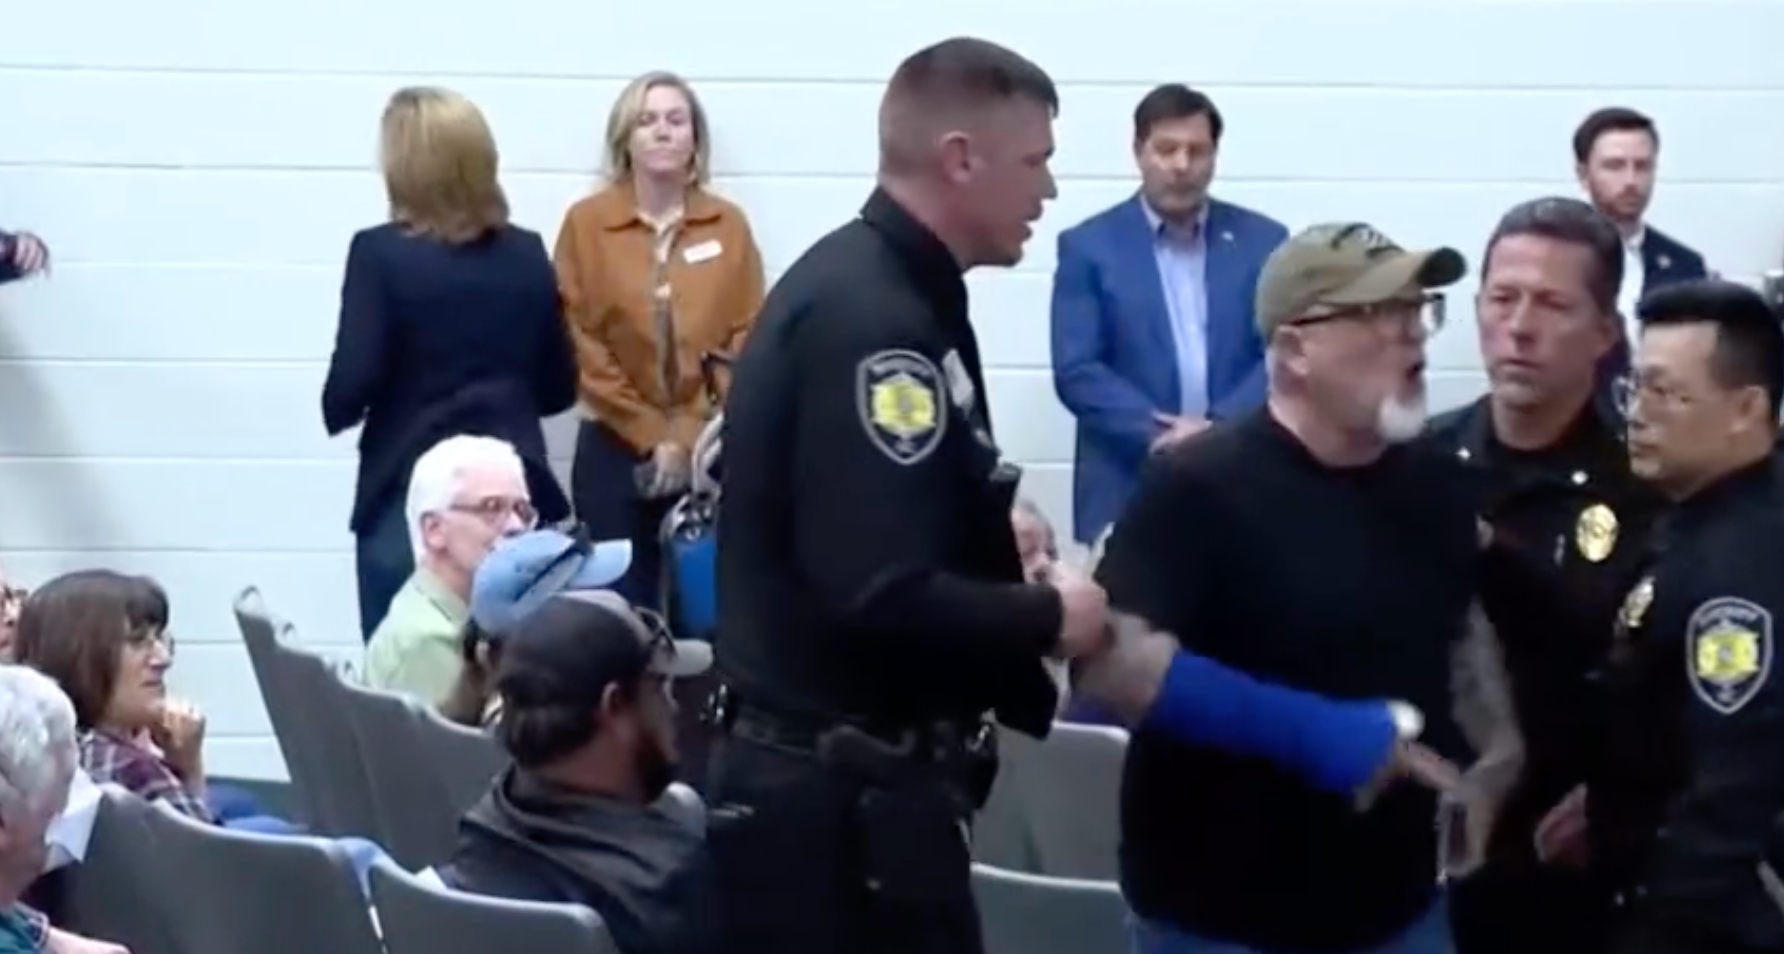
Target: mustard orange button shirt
[{"x": 609, "y": 277}]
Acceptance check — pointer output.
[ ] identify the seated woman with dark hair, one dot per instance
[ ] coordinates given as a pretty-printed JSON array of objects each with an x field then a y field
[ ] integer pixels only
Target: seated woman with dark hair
[{"x": 103, "y": 636}]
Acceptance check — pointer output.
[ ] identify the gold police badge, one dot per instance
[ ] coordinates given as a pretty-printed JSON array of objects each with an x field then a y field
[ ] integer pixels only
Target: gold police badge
[{"x": 1596, "y": 532}]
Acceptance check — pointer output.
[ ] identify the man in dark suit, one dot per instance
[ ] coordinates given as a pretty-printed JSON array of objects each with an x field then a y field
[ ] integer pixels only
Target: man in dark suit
[
  {"x": 1153, "y": 335},
  {"x": 1616, "y": 151}
]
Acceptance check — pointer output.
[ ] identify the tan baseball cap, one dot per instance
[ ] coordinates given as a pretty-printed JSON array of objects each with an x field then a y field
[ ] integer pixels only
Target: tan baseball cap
[{"x": 1343, "y": 265}]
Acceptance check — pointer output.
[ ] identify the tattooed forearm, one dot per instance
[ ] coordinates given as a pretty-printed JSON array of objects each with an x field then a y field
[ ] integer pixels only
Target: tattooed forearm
[{"x": 1482, "y": 694}]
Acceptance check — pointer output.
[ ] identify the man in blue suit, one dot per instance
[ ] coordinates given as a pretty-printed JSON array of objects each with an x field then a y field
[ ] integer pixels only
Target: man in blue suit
[
  {"x": 1153, "y": 336},
  {"x": 1616, "y": 153}
]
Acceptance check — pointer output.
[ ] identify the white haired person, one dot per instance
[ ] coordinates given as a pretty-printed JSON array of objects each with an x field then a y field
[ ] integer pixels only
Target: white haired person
[
  {"x": 465, "y": 494},
  {"x": 37, "y": 763},
  {"x": 11, "y": 598}
]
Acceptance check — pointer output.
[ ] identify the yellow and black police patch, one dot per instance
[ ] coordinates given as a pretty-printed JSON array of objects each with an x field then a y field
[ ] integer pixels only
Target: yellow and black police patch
[
  {"x": 899, "y": 395},
  {"x": 1728, "y": 646}
]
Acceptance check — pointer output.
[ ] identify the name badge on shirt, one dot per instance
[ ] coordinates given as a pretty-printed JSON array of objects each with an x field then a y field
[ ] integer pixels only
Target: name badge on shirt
[{"x": 702, "y": 251}]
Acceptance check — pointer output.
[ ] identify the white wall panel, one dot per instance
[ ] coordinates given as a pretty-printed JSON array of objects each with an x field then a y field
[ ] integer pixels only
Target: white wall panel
[{"x": 199, "y": 188}]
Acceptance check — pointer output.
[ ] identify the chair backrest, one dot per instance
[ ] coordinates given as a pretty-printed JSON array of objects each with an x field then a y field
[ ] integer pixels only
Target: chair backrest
[
  {"x": 1070, "y": 790},
  {"x": 417, "y": 818},
  {"x": 685, "y": 805},
  {"x": 1034, "y": 914},
  {"x": 421, "y": 917},
  {"x": 284, "y": 708},
  {"x": 269, "y": 894},
  {"x": 342, "y": 792},
  {"x": 120, "y": 891},
  {"x": 468, "y": 759}
]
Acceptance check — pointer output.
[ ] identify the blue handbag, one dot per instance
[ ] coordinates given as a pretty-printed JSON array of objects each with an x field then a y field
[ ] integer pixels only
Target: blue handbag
[
  {"x": 690, "y": 587},
  {"x": 691, "y": 550}
]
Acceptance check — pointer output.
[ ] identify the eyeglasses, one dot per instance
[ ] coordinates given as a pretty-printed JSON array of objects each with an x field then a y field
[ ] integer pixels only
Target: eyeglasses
[
  {"x": 496, "y": 510},
  {"x": 145, "y": 637},
  {"x": 1427, "y": 313},
  {"x": 1653, "y": 395}
]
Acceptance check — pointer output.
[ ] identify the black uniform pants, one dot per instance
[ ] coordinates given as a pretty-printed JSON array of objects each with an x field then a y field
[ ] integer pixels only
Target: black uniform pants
[
  {"x": 795, "y": 843},
  {"x": 1524, "y": 907}
]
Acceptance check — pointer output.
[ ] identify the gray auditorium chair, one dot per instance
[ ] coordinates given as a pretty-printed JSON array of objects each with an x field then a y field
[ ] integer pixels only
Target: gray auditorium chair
[
  {"x": 265, "y": 894},
  {"x": 1069, "y": 791},
  {"x": 284, "y": 709},
  {"x": 420, "y": 917},
  {"x": 1035, "y": 914},
  {"x": 417, "y": 814},
  {"x": 684, "y": 804},
  {"x": 304, "y": 704},
  {"x": 121, "y": 891},
  {"x": 468, "y": 759}
]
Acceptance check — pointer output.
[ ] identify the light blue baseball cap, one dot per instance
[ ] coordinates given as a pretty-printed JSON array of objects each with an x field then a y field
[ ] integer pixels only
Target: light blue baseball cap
[{"x": 526, "y": 570}]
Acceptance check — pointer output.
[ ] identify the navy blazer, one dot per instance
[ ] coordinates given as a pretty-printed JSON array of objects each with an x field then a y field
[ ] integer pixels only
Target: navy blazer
[
  {"x": 1665, "y": 261},
  {"x": 437, "y": 340},
  {"x": 1114, "y": 357}
]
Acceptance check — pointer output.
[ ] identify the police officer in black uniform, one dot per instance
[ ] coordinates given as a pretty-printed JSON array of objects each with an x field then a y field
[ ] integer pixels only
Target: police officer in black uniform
[
  {"x": 1547, "y": 457},
  {"x": 872, "y": 607},
  {"x": 1682, "y": 801}
]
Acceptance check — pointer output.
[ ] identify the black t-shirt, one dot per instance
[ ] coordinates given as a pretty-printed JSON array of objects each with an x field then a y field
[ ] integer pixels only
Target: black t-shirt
[{"x": 1349, "y": 582}]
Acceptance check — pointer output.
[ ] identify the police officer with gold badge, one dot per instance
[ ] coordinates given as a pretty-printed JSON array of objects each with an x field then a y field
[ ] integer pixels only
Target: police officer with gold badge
[
  {"x": 1552, "y": 475},
  {"x": 872, "y": 606},
  {"x": 1689, "y": 777}
]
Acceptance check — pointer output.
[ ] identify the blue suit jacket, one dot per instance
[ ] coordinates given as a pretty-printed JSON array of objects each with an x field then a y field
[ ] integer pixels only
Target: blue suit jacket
[
  {"x": 1665, "y": 261},
  {"x": 1114, "y": 357}
]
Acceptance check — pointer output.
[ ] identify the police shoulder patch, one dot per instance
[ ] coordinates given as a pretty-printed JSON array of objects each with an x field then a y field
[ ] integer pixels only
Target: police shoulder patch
[
  {"x": 899, "y": 395},
  {"x": 1728, "y": 647}
]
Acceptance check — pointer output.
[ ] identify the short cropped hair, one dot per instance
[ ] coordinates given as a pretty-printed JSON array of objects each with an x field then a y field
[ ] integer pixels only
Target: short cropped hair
[
  {"x": 1609, "y": 120},
  {"x": 963, "y": 72},
  {"x": 622, "y": 119},
  {"x": 1749, "y": 339},
  {"x": 1575, "y": 222},
  {"x": 37, "y": 742},
  {"x": 441, "y": 165},
  {"x": 440, "y": 472},
  {"x": 1174, "y": 101}
]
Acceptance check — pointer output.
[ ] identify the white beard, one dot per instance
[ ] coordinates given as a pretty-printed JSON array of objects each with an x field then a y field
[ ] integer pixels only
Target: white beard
[{"x": 1399, "y": 420}]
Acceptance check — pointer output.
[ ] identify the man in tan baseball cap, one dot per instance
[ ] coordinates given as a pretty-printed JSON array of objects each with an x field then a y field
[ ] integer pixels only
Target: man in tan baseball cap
[{"x": 1345, "y": 313}]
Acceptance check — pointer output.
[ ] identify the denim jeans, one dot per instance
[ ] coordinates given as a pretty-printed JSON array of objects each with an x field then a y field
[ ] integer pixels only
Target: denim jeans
[{"x": 1430, "y": 934}]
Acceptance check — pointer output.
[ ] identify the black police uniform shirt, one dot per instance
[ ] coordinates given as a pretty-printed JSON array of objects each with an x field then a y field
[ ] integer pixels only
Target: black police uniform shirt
[
  {"x": 1350, "y": 582},
  {"x": 867, "y": 568},
  {"x": 1690, "y": 777},
  {"x": 1574, "y": 512}
]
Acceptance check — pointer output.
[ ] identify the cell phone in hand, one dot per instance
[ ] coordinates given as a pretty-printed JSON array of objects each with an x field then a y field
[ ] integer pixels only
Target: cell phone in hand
[{"x": 1454, "y": 853}]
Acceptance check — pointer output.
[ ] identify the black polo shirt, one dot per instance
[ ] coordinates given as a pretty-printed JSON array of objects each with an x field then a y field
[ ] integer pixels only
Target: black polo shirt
[{"x": 1350, "y": 582}]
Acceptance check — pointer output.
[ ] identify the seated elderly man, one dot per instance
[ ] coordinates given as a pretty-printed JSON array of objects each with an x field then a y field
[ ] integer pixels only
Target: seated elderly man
[
  {"x": 38, "y": 755},
  {"x": 589, "y": 721},
  {"x": 465, "y": 494}
]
